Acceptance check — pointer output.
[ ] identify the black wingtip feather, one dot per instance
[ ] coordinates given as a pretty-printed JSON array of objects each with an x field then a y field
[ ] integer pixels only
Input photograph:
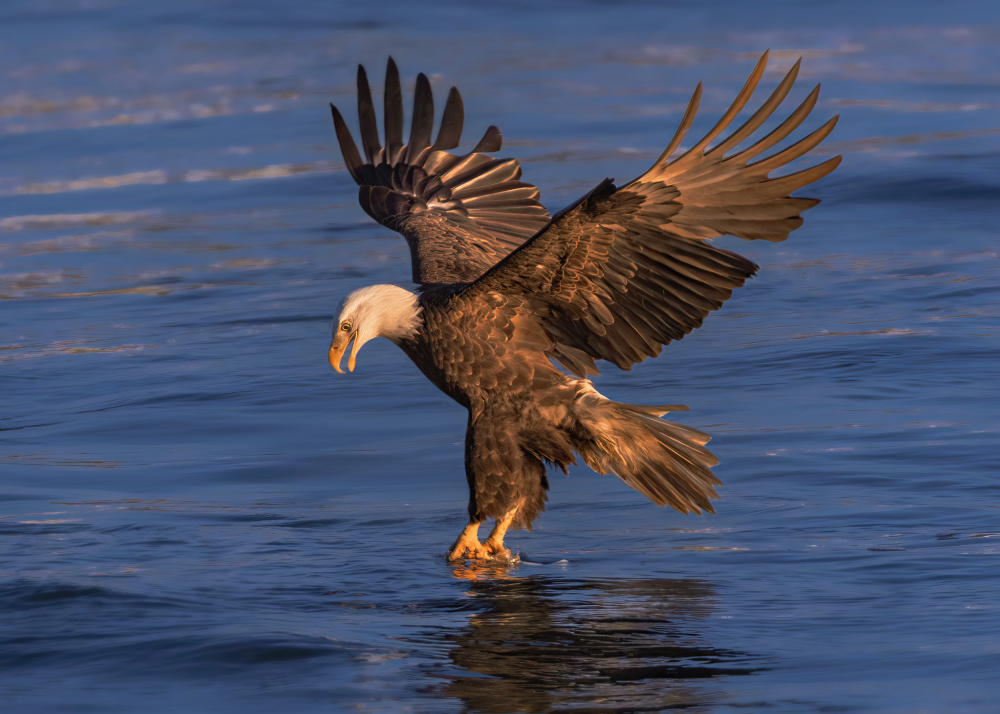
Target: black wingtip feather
[
  {"x": 349, "y": 150},
  {"x": 450, "y": 133},
  {"x": 423, "y": 118},
  {"x": 366, "y": 117},
  {"x": 492, "y": 141},
  {"x": 393, "y": 112}
]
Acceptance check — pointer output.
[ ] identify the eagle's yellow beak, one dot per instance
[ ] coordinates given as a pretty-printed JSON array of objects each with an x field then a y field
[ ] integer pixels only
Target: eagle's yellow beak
[{"x": 339, "y": 345}]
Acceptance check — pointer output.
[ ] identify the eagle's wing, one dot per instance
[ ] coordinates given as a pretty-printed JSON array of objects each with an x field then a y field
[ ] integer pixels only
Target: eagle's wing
[
  {"x": 459, "y": 214},
  {"x": 626, "y": 270}
]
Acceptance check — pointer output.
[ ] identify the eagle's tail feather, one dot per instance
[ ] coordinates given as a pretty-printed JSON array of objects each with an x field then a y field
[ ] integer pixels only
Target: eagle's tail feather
[{"x": 666, "y": 462}]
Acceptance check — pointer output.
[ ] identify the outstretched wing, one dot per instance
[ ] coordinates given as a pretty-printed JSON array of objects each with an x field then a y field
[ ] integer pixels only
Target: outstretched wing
[
  {"x": 459, "y": 214},
  {"x": 626, "y": 270}
]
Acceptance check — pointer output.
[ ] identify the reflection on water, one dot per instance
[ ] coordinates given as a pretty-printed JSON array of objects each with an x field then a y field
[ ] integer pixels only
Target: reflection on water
[{"x": 541, "y": 643}]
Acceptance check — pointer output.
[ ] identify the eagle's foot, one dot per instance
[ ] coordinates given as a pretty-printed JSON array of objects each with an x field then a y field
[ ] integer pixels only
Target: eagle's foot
[
  {"x": 498, "y": 552},
  {"x": 494, "y": 544},
  {"x": 468, "y": 551},
  {"x": 468, "y": 546}
]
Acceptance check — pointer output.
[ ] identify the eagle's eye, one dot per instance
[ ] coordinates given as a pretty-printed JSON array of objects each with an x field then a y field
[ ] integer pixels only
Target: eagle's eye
[{"x": 345, "y": 326}]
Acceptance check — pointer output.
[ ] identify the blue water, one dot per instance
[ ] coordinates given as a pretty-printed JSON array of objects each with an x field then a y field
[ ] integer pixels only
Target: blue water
[{"x": 198, "y": 514}]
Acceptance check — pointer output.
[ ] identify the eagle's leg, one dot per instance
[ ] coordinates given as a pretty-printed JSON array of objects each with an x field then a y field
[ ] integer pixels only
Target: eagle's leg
[
  {"x": 468, "y": 545},
  {"x": 494, "y": 544}
]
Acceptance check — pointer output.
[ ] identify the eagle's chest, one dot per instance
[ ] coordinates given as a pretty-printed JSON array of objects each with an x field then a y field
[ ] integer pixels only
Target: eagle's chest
[{"x": 471, "y": 354}]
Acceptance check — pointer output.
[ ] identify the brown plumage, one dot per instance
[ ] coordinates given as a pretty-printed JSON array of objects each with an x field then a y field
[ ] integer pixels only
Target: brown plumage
[{"x": 506, "y": 291}]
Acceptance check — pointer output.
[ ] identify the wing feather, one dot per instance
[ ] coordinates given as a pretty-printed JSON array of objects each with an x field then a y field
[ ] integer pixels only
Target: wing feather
[
  {"x": 366, "y": 118},
  {"x": 422, "y": 123},
  {"x": 782, "y": 130},
  {"x": 760, "y": 116},
  {"x": 393, "y": 112},
  {"x": 460, "y": 214},
  {"x": 452, "y": 120},
  {"x": 626, "y": 270},
  {"x": 492, "y": 141},
  {"x": 735, "y": 108},
  {"x": 352, "y": 158}
]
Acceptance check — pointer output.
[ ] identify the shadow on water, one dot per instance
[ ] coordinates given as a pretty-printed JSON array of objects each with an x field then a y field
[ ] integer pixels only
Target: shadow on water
[{"x": 539, "y": 644}]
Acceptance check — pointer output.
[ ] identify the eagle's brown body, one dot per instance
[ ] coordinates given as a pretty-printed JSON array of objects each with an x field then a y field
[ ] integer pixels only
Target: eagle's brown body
[{"x": 507, "y": 292}]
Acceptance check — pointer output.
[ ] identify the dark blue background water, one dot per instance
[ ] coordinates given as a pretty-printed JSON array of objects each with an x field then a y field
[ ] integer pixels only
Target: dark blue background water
[{"x": 197, "y": 514}]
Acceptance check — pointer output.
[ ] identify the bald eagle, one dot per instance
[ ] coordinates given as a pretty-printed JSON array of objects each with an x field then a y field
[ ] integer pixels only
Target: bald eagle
[{"x": 514, "y": 306}]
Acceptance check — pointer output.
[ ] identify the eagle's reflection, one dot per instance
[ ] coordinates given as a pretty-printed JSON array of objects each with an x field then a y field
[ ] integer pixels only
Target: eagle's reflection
[{"x": 541, "y": 643}]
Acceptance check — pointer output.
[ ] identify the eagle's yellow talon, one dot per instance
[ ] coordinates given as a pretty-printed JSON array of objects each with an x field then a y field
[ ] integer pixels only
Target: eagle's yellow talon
[
  {"x": 467, "y": 545},
  {"x": 497, "y": 551}
]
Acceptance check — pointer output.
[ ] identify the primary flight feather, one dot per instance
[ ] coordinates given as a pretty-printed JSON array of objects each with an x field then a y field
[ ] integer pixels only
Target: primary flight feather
[{"x": 506, "y": 291}]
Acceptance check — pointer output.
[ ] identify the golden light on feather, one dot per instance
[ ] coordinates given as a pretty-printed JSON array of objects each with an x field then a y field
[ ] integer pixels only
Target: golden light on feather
[{"x": 507, "y": 294}]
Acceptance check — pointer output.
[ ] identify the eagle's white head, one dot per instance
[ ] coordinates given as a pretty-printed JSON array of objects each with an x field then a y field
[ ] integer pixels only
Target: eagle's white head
[{"x": 376, "y": 311}]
